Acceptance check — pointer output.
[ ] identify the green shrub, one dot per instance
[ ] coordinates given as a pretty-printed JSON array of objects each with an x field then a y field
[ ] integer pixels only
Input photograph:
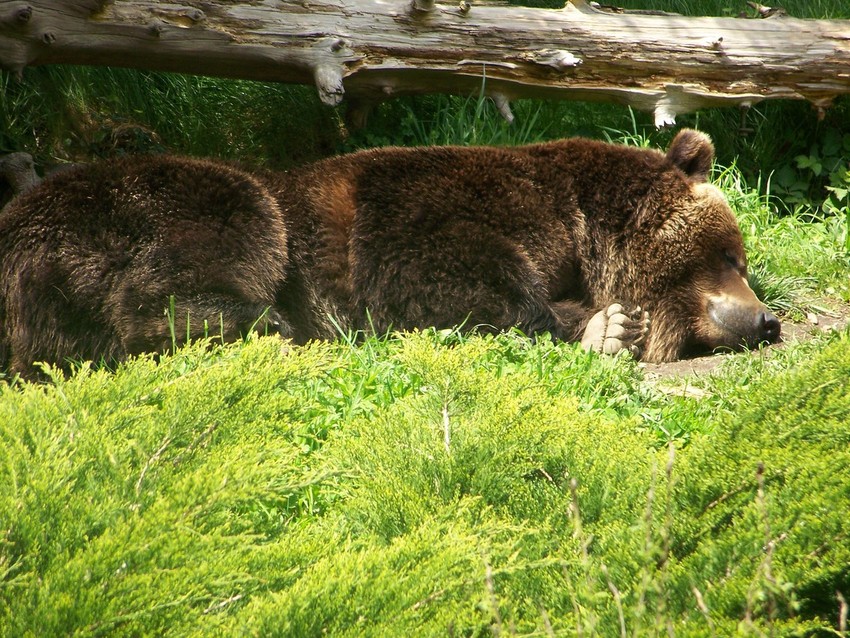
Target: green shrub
[{"x": 424, "y": 484}]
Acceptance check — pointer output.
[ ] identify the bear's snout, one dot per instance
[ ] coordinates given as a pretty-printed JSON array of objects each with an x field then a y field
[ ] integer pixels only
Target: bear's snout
[
  {"x": 738, "y": 323},
  {"x": 769, "y": 327}
]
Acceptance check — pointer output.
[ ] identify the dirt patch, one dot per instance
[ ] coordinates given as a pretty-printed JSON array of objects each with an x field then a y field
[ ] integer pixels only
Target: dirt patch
[{"x": 791, "y": 332}]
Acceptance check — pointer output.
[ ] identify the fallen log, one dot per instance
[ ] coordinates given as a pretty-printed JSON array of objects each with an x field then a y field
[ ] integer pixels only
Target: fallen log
[{"x": 371, "y": 50}]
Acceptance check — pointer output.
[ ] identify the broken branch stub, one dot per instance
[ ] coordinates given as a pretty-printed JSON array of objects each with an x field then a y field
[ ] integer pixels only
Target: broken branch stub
[{"x": 372, "y": 49}]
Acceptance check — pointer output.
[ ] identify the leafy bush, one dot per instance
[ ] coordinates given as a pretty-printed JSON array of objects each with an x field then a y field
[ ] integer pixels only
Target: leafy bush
[{"x": 429, "y": 484}]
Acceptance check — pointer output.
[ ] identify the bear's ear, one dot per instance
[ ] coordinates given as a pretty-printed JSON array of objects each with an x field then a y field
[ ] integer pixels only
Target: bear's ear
[{"x": 693, "y": 152}]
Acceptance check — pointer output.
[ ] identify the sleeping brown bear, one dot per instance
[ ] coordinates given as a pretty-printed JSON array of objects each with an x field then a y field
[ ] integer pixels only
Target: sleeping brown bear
[{"x": 576, "y": 238}]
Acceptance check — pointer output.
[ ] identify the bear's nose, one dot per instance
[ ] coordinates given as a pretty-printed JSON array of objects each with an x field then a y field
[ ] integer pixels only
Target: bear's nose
[{"x": 768, "y": 326}]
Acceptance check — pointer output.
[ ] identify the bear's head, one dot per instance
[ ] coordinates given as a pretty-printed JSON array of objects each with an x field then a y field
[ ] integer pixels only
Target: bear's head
[{"x": 700, "y": 298}]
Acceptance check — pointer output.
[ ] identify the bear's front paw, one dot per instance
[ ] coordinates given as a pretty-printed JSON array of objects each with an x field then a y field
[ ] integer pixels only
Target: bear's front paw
[{"x": 615, "y": 329}]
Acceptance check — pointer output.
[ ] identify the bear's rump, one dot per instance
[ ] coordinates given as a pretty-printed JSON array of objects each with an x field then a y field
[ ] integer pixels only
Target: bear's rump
[{"x": 104, "y": 248}]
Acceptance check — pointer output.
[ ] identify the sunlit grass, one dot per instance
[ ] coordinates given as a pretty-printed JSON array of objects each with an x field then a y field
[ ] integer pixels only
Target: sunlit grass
[{"x": 418, "y": 483}]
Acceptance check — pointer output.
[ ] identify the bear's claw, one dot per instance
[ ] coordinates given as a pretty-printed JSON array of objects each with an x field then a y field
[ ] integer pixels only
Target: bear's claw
[{"x": 614, "y": 329}]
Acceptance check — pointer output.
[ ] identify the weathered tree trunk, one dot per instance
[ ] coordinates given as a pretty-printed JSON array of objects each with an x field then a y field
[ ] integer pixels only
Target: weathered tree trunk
[{"x": 370, "y": 50}]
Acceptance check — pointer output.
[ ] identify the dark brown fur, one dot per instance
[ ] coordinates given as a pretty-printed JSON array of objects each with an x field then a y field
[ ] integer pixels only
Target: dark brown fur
[
  {"x": 89, "y": 260},
  {"x": 539, "y": 237}
]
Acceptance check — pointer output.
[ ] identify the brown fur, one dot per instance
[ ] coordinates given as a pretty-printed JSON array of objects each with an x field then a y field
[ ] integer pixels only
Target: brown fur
[
  {"x": 539, "y": 237},
  {"x": 89, "y": 260}
]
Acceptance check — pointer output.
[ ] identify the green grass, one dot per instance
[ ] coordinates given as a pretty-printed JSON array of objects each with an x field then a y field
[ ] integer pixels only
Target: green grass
[
  {"x": 61, "y": 114},
  {"x": 818, "y": 9},
  {"x": 430, "y": 484}
]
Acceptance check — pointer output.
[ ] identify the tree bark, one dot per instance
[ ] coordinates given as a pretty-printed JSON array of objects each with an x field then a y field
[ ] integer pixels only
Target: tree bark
[{"x": 370, "y": 50}]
